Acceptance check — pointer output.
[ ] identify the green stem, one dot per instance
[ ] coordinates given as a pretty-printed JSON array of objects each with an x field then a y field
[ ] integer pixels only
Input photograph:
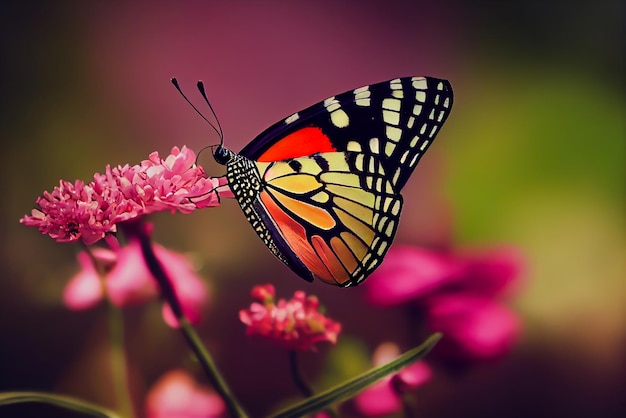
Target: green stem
[
  {"x": 296, "y": 375},
  {"x": 137, "y": 230},
  {"x": 119, "y": 367},
  {"x": 210, "y": 369},
  {"x": 67, "y": 402}
]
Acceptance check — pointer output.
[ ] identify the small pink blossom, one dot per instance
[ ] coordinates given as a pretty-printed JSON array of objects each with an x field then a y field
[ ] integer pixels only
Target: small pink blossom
[
  {"x": 128, "y": 281},
  {"x": 385, "y": 396},
  {"x": 177, "y": 395},
  {"x": 295, "y": 324},
  {"x": 88, "y": 211}
]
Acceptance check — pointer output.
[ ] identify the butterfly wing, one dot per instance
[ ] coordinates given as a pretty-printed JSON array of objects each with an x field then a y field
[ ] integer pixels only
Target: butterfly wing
[
  {"x": 322, "y": 187},
  {"x": 395, "y": 120},
  {"x": 335, "y": 213}
]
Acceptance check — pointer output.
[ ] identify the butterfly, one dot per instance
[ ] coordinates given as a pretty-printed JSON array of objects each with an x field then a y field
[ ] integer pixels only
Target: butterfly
[{"x": 321, "y": 188}]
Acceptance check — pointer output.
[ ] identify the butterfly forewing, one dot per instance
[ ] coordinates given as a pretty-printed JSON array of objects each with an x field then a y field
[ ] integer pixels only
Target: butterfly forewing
[{"x": 395, "y": 120}]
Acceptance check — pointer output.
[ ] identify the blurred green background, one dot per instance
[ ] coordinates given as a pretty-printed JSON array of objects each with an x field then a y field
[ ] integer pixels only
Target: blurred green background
[{"x": 532, "y": 156}]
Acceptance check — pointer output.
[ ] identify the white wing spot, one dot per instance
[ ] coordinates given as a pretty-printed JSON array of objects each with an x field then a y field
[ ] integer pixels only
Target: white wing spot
[
  {"x": 396, "y": 208},
  {"x": 440, "y": 86},
  {"x": 423, "y": 129},
  {"x": 398, "y": 94},
  {"x": 392, "y": 104},
  {"x": 339, "y": 118},
  {"x": 363, "y": 102},
  {"x": 424, "y": 145},
  {"x": 411, "y": 121},
  {"x": 440, "y": 117},
  {"x": 432, "y": 115},
  {"x": 292, "y": 118},
  {"x": 359, "y": 162},
  {"x": 433, "y": 131},
  {"x": 389, "y": 148},
  {"x": 404, "y": 157},
  {"x": 374, "y": 145},
  {"x": 413, "y": 161},
  {"x": 354, "y": 146},
  {"x": 395, "y": 84},
  {"x": 419, "y": 83},
  {"x": 396, "y": 176},
  {"x": 331, "y": 104},
  {"x": 414, "y": 141},
  {"x": 394, "y": 133},
  {"x": 417, "y": 109},
  {"x": 420, "y": 96},
  {"x": 446, "y": 102},
  {"x": 391, "y": 117}
]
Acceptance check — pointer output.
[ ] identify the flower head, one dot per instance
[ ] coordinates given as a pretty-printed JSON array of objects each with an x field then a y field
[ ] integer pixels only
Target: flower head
[
  {"x": 88, "y": 211},
  {"x": 296, "y": 324},
  {"x": 177, "y": 395}
]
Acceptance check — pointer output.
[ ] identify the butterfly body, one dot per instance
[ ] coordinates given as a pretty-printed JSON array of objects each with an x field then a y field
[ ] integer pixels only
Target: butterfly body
[{"x": 322, "y": 187}]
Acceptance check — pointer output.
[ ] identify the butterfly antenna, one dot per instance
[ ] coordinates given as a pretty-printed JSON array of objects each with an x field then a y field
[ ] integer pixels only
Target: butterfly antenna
[
  {"x": 200, "y": 86},
  {"x": 219, "y": 132}
]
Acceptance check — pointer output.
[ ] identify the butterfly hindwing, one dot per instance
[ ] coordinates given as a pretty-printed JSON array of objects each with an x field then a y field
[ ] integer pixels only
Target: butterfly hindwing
[
  {"x": 336, "y": 219},
  {"x": 396, "y": 120}
]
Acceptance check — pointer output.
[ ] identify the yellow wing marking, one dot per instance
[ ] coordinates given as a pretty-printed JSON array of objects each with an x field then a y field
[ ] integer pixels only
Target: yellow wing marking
[{"x": 312, "y": 214}]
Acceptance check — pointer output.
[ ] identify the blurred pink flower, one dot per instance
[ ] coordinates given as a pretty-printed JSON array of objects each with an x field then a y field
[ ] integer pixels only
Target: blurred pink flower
[
  {"x": 177, "y": 395},
  {"x": 88, "y": 211},
  {"x": 457, "y": 293},
  {"x": 474, "y": 327},
  {"x": 385, "y": 396},
  {"x": 295, "y": 324},
  {"x": 412, "y": 274},
  {"x": 128, "y": 281}
]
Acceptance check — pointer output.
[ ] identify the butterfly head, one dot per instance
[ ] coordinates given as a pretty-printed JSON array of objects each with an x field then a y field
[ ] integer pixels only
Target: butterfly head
[{"x": 223, "y": 155}]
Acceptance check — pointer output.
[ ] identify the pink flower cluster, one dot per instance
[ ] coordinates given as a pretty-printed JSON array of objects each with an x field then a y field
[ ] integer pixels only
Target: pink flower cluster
[
  {"x": 128, "y": 281},
  {"x": 459, "y": 294},
  {"x": 296, "y": 324},
  {"x": 88, "y": 211}
]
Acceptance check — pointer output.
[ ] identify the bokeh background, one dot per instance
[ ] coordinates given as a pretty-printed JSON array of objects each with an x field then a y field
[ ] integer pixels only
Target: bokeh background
[{"x": 532, "y": 156}]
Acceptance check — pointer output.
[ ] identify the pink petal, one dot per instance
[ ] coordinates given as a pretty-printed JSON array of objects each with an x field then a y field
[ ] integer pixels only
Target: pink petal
[
  {"x": 190, "y": 289},
  {"x": 177, "y": 395},
  {"x": 130, "y": 281},
  {"x": 494, "y": 272},
  {"x": 84, "y": 290},
  {"x": 408, "y": 273},
  {"x": 474, "y": 328},
  {"x": 380, "y": 399}
]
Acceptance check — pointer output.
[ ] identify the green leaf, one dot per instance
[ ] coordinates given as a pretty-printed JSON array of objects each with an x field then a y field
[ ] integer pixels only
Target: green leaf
[
  {"x": 66, "y": 402},
  {"x": 350, "y": 388}
]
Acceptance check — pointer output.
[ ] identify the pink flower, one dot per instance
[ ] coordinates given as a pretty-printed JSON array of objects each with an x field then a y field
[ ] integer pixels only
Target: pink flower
[
  {"x": 474, "y": 327},
  {"x": 295, "y": 324},
  {"x": 128, "y": 281},
  {"x": 411, "y": 274},
  {"x": 457, "y": 292},
  {"x": 178, "y": 395},
  {"x": 385, "y": 396},
  {"x": 88, "y": 211}
]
